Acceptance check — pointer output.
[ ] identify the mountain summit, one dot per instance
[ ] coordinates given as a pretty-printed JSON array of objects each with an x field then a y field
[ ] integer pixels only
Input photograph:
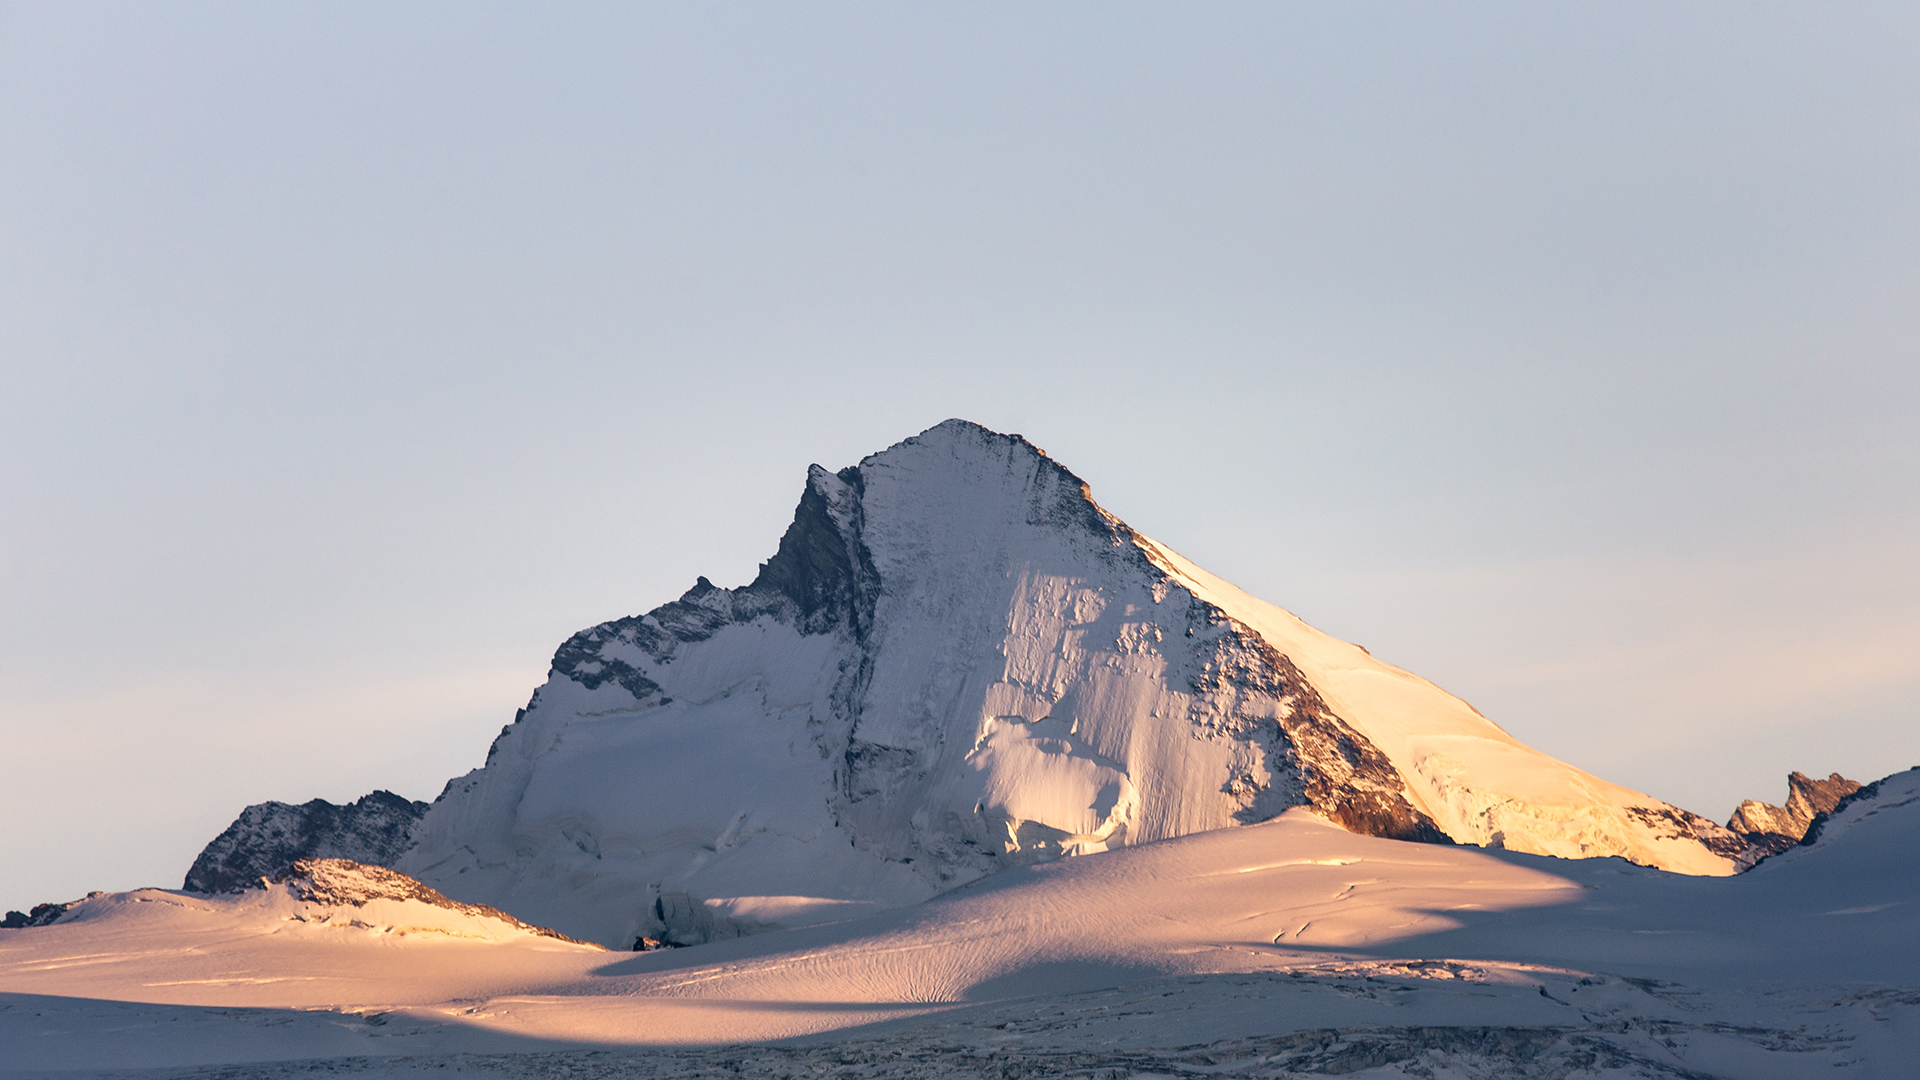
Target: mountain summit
[{"x": 957, "y": 661}]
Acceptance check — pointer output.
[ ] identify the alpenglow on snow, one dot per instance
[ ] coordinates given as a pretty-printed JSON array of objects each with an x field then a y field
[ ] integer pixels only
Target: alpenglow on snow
[{"x": 955, "y": 662}]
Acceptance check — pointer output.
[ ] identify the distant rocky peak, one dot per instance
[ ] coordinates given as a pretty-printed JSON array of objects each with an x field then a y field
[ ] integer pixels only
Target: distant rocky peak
[
  {"x": 1772, "y": 829},
  {"x": 1818, "y": 796}
]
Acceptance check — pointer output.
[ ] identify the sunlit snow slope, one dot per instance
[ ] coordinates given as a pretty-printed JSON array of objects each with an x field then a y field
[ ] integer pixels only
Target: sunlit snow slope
[
  {"x": 1803, "y": 967},
  {"x": 958, "y": 662}
]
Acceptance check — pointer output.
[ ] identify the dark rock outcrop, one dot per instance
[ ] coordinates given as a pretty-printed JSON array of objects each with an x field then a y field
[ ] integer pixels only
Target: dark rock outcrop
[
  {"x": 41, "y": 915},
  {"x": 955, "y": 662},
  {"x": 267, "y": 839},
  {"x": 1772, "y": 829}
]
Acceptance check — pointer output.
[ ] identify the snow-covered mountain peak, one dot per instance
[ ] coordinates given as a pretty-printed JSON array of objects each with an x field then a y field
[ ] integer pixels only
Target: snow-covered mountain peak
[{"x": 956, "y": 661}]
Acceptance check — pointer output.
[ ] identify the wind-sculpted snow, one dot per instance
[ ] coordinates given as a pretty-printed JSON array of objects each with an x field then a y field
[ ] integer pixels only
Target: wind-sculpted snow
[{"x": 957, "y": 662}]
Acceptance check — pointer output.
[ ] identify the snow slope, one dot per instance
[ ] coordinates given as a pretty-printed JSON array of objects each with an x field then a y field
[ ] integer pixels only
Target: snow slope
[
  {"x": 955, "y": 663},
  {"x": 1286, "y": 945},
  {"x": 1480, "y": 784}
]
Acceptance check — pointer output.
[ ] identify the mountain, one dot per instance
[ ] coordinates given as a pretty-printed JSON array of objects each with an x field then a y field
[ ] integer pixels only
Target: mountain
[
  {"x": 268, "y": 838},
  {"x": 338, "y": 887},
  {"x": 956, "y": 661},
  {"x": 1774, "y": 829}
]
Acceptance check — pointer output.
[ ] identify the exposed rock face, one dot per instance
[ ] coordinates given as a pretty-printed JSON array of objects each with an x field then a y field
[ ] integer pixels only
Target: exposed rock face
[
  {"x": 1770, "y": 829},
  {"x": 1889, "y": 793},
  {"x": 268, "y": 838},
  {"x": 956, "y": 661}
]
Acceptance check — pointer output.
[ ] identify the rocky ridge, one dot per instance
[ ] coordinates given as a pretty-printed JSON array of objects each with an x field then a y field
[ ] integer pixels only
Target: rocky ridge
[
  {"x": 40, "y": 914},
  {"x": 1769, "y": 829},
  {"x": 267, "y": 839}
]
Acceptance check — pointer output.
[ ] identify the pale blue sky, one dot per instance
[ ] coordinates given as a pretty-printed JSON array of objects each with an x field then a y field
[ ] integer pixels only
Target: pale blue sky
[{"x": 1568, "y": 355}]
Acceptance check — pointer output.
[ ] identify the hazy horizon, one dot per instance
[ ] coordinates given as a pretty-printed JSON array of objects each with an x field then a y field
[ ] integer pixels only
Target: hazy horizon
[{"x": 1565, "y": 357}]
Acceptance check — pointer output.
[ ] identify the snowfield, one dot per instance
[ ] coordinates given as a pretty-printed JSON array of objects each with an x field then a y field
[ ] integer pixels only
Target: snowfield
[{"x": 1291, "y": 947}]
